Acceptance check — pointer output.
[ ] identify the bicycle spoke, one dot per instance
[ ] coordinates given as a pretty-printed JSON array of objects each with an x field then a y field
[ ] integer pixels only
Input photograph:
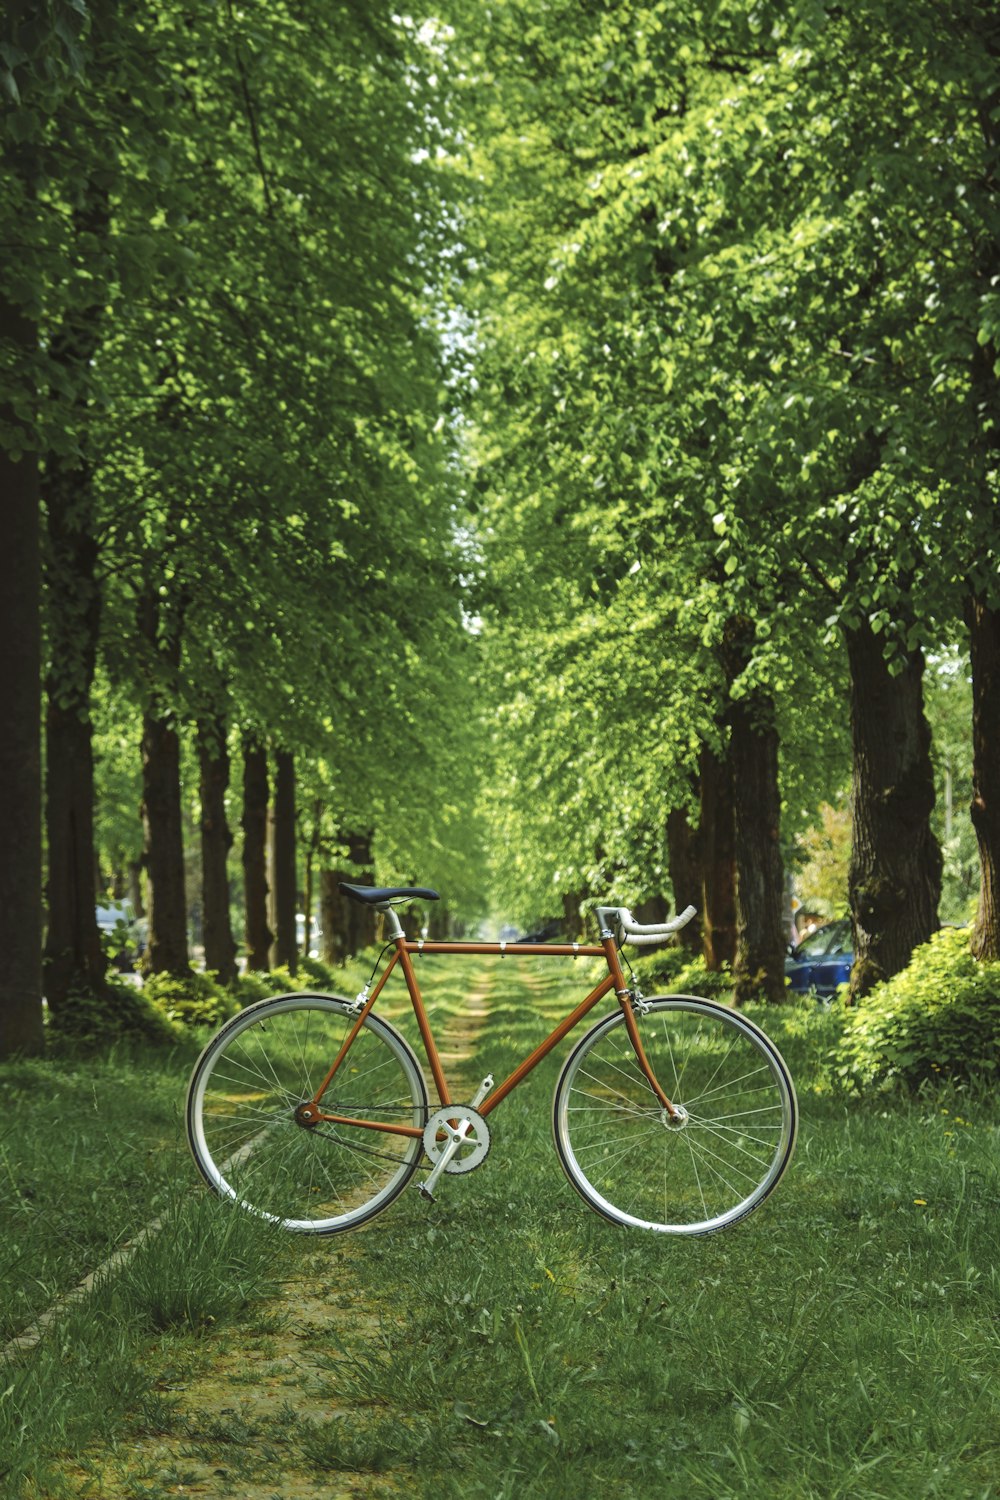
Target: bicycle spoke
[
  {"x": 306, "y": 1177},
  {"x": 692, "y": 1172}
]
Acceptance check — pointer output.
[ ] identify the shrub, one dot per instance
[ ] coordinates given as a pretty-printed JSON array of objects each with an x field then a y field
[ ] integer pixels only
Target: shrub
[
  {"x": 261, "y": 984},
  {"x": 939, "y": 1018},
  {"x": 120, "y": 1013},
  {"x": 318, "y": 974},
  {"x": 673, "y": 971},
  {"x": 193, "y": 999},
  {"x": 254, "y": 985}
]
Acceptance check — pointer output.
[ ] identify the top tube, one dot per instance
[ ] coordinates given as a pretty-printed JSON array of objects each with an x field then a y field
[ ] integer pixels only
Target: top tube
[{"x": 537, "y": 950}]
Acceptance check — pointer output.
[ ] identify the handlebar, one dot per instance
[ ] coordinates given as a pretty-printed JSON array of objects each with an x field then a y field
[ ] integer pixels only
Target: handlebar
[{"x": 638, "y": 933}]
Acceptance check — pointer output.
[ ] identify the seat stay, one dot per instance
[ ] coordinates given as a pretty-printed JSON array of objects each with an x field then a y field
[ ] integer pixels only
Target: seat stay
[{"x": 349, "y": 1039}]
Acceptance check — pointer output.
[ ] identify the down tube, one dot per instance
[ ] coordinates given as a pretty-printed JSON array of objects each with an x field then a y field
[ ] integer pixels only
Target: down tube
[{"x": 544, "y": 1048}]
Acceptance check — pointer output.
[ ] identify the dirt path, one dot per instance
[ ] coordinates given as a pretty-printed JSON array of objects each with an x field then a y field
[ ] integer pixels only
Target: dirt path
[{"x": 259, "y": 1411}]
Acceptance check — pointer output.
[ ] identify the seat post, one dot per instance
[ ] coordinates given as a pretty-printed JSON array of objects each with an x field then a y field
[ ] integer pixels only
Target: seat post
[{"x": 393, "y": 929}]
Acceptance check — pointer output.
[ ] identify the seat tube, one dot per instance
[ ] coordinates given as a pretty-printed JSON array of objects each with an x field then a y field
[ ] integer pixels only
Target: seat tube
[
  {"x": 622, "y": 991},
  {"x": 423, "y": 1023}
]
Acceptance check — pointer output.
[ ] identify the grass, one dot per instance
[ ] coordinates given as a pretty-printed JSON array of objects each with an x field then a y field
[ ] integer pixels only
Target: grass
[{"x": 505, "y": 1341}]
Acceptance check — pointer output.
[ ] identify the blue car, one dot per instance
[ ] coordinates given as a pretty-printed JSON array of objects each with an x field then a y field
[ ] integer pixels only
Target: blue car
[{"x": 822, "y": 961}]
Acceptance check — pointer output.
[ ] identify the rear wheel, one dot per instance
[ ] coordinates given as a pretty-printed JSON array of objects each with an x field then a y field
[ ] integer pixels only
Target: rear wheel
[
  {"x": 631, "y": 1162},
  {"x": 245, "y": 1132}
]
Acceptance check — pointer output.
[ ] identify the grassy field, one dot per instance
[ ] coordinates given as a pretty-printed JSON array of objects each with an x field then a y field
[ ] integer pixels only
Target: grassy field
[{"x": 505, "y": 1341}]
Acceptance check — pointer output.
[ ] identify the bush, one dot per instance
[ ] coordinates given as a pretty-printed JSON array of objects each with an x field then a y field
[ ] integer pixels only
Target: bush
[
  {"x": 261, "y": 984},
  {"x": 192, "y": 999},
  {"x": 121, "y": 1013},
  {"x": 939, "y": 1018},
  {"x": 254, "y": 985},
  {"x": 673, "y": 971},
  {"x": 319, "y": 976}
]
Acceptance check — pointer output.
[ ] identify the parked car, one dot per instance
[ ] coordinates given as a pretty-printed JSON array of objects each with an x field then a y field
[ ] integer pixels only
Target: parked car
[{"x": 822, "y": 961}]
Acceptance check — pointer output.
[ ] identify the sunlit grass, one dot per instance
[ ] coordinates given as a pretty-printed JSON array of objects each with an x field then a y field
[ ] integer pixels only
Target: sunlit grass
[{"x": 505, "y": 1341}]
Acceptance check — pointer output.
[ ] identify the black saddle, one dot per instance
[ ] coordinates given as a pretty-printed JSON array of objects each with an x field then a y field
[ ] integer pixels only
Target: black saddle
[{"x": 375, "y": 895}]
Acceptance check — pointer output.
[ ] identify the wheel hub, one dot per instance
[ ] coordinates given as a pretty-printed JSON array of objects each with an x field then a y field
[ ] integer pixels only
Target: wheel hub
[{"x": 676, "y": 1120}]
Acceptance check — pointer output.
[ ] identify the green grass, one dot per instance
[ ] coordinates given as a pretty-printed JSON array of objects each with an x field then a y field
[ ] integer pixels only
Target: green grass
[{"x": 841, "y": 1342}]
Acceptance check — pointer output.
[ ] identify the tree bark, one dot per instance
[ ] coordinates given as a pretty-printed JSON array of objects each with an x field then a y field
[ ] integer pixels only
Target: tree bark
[
  {"x": 20, "y": 744},
  {"x": 73, "y": 953},
  {"x": 572, "y": 915},
  {"x": 283, "y": 864},
  {"x": 216, "y": 842},
  {"x": 167, "y": 952},
  {"x": 347, "y": 926},
  {"x": 984, "y": 641},
  {"x": 74, "y": 957},
  {"x": 254, "y": 825},
  {"x": 894, "y": 877},
  {"x": 716, "y": 845},
  {"x": 334, "y": 916},
  {"x": 685, "y": 872},
  {"x": 759, "y": 961}
]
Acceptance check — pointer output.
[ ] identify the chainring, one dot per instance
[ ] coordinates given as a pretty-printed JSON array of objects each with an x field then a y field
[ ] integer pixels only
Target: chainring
[{"x": 437, "y": 1134}]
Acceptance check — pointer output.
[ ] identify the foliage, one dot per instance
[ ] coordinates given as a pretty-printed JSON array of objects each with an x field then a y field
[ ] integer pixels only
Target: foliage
[
  {"x": 673, "y": 972},
  {"x": 192, "y": 999},
  {"x": 825, "y": 850},
  {"x": 938, "y": 1019},
  {"x": 316, "y": 975},
  {"x": 728, "y": 303},
  {"x": 124, "y": 1013}
]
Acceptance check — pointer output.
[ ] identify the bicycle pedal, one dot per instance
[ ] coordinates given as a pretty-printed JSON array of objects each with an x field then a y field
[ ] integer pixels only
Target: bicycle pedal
[{"x": 425, "y": 1192}]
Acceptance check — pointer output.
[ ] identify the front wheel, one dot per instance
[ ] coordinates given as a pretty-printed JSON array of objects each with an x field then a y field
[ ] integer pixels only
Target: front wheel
[
  {"x": 631, "y": 1162},
  {"x": 246, "y": 1136}
]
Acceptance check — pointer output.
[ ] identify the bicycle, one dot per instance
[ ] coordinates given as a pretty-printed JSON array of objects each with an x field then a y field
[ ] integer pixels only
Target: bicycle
[{"x": 312, "y": 1112}]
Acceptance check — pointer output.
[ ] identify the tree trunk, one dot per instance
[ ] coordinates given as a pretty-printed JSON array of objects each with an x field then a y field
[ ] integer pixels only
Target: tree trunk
[
  {"x": 347, "y": 926},
  {"x": 982, "y": 619},
  {"x": 216, "y": 842},
  {"x": 258, "y": 934},
  {"x": 283, "y": 863},
  {"x": 309, "y": 895},
  {"x": 163, "y": 852},
  {"x": 334, "y": 916},
  {"x": 685, "y": 875},
  {"x": 74, "y": 957},
  {"x": 716, "y": 845},
  {"x": 895, "y": 870},
  {"x": 20, "y": 744},
  {"x": 759, "y": 962},
  {"x": 984, "y": 640},
  {"x": 362, "y": 918},
  {"x": 73, "y": 953},
  {"x": 167, "y": 952},
  {"x": 572, "y": 913}
]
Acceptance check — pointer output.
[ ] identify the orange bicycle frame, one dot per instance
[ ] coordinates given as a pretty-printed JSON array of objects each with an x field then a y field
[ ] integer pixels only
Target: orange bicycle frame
[{"x": 312, "y": 1113}]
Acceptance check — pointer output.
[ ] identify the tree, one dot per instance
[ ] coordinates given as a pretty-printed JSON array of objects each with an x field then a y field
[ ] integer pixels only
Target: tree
[
  {"x": 38, "y": 63},
  {"x": 741, "y": 287}
]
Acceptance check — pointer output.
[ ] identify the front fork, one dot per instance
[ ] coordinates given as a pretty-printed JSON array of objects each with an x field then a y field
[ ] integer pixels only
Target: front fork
[{"x": 630, "y": 1002}]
